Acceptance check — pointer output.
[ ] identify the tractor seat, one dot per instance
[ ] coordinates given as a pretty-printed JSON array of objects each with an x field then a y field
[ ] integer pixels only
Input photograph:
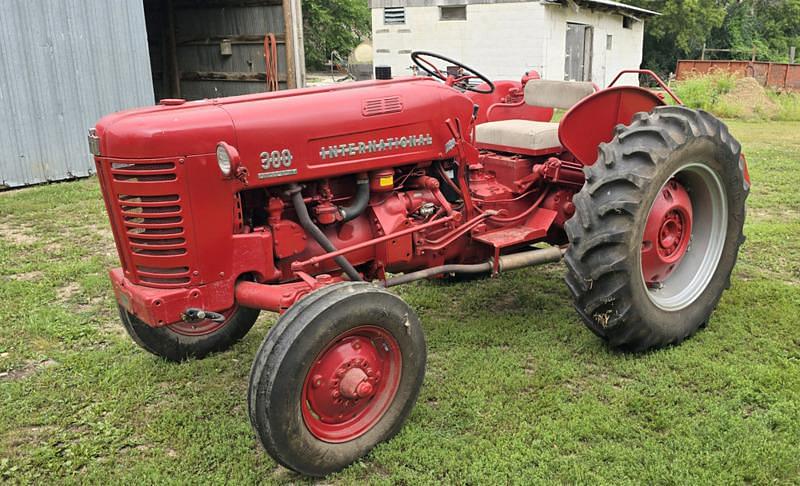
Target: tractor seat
[
  {"x": 533, "y": 137},
  {"x": 518, "y": 134}
]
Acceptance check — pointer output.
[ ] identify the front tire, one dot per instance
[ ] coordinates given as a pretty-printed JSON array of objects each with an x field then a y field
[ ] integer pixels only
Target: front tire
[
  {"x": 181, "y": 341},
  {"x": 657, "y": 228},
  {"x": 337, "y": 374}
]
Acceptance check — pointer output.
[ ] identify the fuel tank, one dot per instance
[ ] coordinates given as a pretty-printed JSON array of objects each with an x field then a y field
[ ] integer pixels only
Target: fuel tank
[{"x": 300, "y": 134}]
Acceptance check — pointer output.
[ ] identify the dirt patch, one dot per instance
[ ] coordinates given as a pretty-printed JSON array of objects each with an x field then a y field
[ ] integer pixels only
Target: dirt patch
[
  {"x": 67, "y": 291},
  {"x": 17, "y": 234},
  {"x": 28, "y": 369},
  {"x": 20, "y": 439},
  {"x": 751, "y": 99},
  {"x": 104, "y": 236},
  {"x": 782, "y": 213},
  {"x": 91, "y": 304},
  {"x": 27, "y": 276},
  {"x": 53, "y": 248}
]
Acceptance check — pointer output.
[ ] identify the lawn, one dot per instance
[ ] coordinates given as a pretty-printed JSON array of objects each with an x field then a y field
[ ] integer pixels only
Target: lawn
[{"x": 517, "y": 390}]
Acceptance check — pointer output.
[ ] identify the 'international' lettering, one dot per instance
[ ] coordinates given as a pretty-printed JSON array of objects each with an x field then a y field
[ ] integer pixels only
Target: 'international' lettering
[{"x": 371, "y": 146}]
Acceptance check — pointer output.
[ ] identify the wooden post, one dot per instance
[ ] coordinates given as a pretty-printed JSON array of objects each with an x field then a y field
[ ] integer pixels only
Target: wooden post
[
  {"x": 291, "y": 61},
  {"x": 792, "y": 51},
  {"x": 703, "y": 52},
  {"x": 175, "y": 75}
]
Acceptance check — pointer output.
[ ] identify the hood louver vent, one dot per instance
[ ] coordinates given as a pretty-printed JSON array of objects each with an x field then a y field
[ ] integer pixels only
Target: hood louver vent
[{"x": 381, "y": 106}]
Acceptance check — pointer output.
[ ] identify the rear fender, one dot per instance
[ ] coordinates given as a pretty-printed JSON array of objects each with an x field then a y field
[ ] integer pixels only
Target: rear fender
[{"x": 592, "y": 120}]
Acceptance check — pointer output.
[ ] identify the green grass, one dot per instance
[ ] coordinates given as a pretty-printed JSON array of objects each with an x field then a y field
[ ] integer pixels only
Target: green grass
[
  {"x": 708, "y": 93},
  {"x": 517, "y": 390},
  {"x": 705, "y": 92}
]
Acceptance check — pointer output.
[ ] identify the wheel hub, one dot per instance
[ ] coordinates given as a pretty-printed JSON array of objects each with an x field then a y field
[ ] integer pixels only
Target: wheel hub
[
  {"x": 667, "y": 233},
  {"x": 351, "y": 384}
]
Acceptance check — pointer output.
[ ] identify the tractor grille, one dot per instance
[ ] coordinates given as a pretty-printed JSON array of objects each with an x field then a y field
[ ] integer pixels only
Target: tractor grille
[{"x": 147, "y": 198}]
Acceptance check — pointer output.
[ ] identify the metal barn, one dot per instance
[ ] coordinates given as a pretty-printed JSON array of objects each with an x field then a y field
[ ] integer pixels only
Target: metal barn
[{"x": 66, "y": 63}]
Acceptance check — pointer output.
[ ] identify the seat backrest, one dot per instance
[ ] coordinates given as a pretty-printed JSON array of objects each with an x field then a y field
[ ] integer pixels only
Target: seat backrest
[{"x": 556, "y": 94}]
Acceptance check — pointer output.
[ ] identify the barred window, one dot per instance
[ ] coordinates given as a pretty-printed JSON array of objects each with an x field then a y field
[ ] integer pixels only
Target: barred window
[{"x": 394, "y": 15}]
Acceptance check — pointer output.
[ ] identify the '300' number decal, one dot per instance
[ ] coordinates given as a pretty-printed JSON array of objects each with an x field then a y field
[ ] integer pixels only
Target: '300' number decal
[{"x": 276, "y": 159}]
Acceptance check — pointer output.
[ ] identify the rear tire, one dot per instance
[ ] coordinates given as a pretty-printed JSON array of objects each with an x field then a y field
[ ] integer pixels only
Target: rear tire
[
  {"x": 604, "y": 261},
  {"x": 178, "y": 343},
  {"x": 300, "y": 408}
]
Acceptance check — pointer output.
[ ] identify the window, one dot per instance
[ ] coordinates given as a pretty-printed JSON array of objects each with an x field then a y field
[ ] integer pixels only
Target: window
[
  {"x": 454, "y": 12},
  {"x": 609, "y": 42},
  {"x": 627, "y": 22},
  {"x": 394, "y": 15}
]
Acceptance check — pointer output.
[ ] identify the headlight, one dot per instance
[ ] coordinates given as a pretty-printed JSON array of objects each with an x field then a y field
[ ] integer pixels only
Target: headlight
[{"x": 227, "y": 158}]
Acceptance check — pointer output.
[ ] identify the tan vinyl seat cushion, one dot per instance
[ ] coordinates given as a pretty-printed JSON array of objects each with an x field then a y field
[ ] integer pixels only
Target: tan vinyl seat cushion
[
  {"x": 556, "y": 94},
  {"x": 524, "y": 134}
]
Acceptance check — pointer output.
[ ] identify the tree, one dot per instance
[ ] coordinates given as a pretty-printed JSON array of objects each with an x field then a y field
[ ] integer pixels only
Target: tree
[
  {"x": 680, "y": 31},
  {"x": 333, "y": 25},
  {"x": 769, "y": 26}
]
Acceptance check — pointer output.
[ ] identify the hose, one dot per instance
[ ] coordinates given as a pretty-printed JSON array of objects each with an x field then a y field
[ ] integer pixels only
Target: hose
[
  {"x": 360, "y": 200},
  {"x": 316, "y": 233},
  {"x": 271, "y": 61},
  {"x": 521, "y": 215}
]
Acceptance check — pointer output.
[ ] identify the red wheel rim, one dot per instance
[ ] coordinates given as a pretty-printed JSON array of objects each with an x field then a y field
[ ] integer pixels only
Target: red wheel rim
[
  {"x": 204, "y": 327},
  {"x": 667, "y": 232},
  {"x": 351, "y": 384}
]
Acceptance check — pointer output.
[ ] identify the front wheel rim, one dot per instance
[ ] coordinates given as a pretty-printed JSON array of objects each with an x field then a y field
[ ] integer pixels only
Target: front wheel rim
[
  {"x": 695, "y": 268},
  {"x": 351, "y": 384}
]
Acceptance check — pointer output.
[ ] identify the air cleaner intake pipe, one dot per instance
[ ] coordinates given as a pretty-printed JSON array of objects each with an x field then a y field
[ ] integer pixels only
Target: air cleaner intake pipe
[
  {"x": 360, "y": 200},
  {"x": 506, "y": 262},
  {"x": 316, "y": 233}
]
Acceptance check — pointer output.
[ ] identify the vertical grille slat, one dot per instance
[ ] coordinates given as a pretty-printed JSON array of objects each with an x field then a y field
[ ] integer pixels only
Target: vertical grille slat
[{"x": 147, "y": 197}]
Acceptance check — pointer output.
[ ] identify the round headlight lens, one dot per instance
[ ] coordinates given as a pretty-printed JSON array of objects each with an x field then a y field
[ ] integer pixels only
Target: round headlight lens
[{"x": 224, "y": 160}]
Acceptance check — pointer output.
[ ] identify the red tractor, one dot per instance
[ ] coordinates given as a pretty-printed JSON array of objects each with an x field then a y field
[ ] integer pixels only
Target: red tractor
[{"x": 310, "y": 203}]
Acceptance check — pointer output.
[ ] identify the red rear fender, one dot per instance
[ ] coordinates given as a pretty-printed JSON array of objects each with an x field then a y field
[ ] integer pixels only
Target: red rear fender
[{"x": 591, "y": 122}]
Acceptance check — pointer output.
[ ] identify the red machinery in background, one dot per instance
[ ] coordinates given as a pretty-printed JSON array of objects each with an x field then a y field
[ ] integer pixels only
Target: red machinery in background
[{"x": 311, "y": 202}]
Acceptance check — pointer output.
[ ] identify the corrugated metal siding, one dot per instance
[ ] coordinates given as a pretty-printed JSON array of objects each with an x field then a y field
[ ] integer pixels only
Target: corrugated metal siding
[{"x": 65, "y": 63}]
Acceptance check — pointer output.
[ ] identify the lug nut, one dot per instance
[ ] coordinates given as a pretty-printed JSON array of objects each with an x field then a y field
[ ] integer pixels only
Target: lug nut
[{"x": 364, "y": 389}]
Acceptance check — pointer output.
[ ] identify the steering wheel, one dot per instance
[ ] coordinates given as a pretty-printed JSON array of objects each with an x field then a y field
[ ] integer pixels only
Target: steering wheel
[{"x": 461, "y": 81}]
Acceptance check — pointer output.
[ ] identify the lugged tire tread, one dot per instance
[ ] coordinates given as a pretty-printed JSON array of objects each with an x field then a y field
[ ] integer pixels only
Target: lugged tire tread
[{"x": 605, "y": 214}]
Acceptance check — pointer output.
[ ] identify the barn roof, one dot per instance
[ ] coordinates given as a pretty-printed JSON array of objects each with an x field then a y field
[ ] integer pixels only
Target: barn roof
[
  {"x": 607, "y": 5},
  {"x": 602, "y": 5}
]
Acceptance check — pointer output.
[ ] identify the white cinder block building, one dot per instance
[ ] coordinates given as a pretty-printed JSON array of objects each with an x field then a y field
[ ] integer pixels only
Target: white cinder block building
[{"x": 586, "y": 40}]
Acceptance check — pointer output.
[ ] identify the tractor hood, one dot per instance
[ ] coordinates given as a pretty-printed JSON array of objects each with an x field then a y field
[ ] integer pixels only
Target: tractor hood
[
  {"x": 190, "y": 128},
  {"x": 306, "y": 133}
]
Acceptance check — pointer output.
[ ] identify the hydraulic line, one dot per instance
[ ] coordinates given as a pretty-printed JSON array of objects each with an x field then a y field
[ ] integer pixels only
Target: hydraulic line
[
  {"x": 521, "y": 215},
  {"x": 360, "y": 200},
  {"x": 446, "y": 178},
  {"x": 316, "y": 233}
]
